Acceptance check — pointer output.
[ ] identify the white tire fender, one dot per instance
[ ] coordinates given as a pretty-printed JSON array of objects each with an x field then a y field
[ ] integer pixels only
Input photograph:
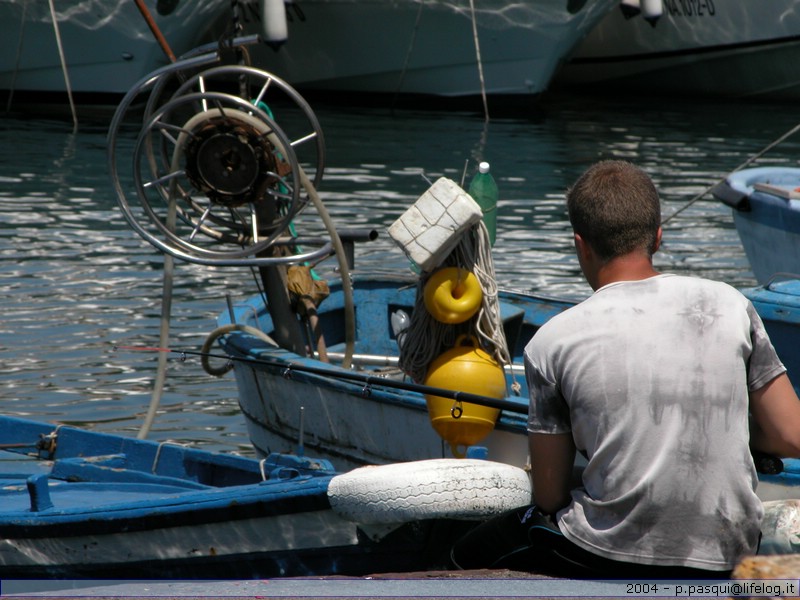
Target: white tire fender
[{"x": 446, "y": 488}]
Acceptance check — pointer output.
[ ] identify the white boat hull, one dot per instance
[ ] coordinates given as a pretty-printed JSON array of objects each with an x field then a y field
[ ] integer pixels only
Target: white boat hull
[
  {"x": 107, "y": 44},
  {"x": 210, "y": 540},
  {"x": 414, "y": 47},
  {"x": 725, "y": 48},
  {"x": 278, "y": 416}
]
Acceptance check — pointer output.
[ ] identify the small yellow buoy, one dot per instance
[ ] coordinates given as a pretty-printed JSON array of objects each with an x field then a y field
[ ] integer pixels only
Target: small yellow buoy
[
  {"x": 452, "y": 295},
  {"x": 466, "y": 368}
]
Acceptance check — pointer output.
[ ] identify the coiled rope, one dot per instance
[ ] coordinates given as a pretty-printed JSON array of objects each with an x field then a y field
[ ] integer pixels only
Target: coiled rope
[
  {"x": 426, "y": 338},
  {"x": 205, "y": 356}
]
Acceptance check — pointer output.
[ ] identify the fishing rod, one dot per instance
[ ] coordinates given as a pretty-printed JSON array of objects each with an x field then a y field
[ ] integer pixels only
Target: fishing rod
[
  {"x": 765, "y": 463},
  {"x": 368, "y": 380}
]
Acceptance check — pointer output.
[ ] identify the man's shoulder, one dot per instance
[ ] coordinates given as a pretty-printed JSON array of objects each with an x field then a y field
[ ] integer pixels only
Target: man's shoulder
[
  {"x": 565, "y": 320},
  {"x": 700, "y": 283}
]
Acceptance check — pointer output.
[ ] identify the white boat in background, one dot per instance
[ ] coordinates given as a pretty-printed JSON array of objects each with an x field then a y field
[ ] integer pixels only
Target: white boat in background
[
  {"x": 107, "y": 44},
  {"x": 721, "y": 48},
  {"x": 428, "y": 47}
]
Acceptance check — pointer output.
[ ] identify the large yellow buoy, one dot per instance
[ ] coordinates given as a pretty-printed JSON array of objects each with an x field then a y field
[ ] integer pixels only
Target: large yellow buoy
[
  {"x": 452, "y": 295},
  {"x": 465, "y": 368}
]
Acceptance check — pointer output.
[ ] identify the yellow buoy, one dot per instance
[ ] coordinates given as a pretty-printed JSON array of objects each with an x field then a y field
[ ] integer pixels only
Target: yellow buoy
[
  {"x": 452, "y": 295},
  {"x": 465, "y": 368}
]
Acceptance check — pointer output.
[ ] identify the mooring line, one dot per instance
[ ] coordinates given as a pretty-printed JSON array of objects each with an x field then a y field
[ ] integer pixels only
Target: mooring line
[
  {"x": 780, "y": 140},
  {"x": 64, "y": 68}
]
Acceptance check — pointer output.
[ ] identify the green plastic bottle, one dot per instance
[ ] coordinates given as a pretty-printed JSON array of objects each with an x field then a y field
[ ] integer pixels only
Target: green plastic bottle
[{"x": 483, "y": 190}]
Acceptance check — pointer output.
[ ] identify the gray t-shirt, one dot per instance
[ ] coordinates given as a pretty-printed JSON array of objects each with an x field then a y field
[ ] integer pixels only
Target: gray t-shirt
[{"x": 652, "y": 378}]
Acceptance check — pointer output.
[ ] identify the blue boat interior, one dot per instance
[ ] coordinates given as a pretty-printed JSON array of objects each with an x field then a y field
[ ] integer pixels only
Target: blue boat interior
[
  {"x": 44, "y": 467},
  {"x": 375, "y": 301}
]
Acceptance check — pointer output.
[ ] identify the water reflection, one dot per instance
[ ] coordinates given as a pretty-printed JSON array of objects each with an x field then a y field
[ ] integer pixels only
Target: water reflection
[{"x": 77, "y": 282}]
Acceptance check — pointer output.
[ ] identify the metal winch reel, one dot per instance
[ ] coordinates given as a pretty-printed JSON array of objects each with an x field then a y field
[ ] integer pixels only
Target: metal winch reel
[{"x": 213, "y": 178}]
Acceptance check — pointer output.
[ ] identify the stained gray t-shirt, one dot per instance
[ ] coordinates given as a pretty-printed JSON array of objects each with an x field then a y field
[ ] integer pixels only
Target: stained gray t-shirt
[{"x": 652, "y": 378}]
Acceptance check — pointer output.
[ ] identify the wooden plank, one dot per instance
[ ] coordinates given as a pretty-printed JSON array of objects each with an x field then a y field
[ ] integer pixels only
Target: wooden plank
[{"x": 781, "y": 192}]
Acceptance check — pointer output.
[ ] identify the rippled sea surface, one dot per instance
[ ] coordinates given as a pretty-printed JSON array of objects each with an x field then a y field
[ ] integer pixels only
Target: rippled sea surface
[{"x": 76, "y": 282}]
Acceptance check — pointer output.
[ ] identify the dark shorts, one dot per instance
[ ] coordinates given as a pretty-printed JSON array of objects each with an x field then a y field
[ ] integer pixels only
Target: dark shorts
[{"x": 525, "y": 539}]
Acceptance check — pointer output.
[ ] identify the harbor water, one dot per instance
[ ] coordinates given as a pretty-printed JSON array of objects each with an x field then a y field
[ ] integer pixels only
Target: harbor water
[{"x": 77, "y": 284}]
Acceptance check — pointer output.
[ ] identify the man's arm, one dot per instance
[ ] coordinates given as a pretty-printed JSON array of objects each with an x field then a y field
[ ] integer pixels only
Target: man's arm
[
  {"x": 552, "y": 459},
  {"x": 775, "y": 418}
]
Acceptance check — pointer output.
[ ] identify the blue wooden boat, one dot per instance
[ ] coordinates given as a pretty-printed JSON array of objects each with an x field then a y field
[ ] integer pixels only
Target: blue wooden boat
[
  {"x": 75, "y": 504},
  {"x": 370, "y": 415},
  {"x": 766, "y": 211}
]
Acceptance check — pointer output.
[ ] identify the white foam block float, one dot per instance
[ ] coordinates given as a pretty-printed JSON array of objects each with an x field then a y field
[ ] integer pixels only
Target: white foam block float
[{"x": 430, "y": 229}]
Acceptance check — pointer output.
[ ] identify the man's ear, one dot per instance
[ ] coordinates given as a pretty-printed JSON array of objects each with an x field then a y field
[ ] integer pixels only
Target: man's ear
[
  {"x": 581, "y": 247},
  {"x": 587, "y": 260},
  {"x": 657, "y": 243}
]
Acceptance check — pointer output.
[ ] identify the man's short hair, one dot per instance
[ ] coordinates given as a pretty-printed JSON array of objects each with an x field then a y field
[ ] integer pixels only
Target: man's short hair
[{"x": 614, "y": 207}]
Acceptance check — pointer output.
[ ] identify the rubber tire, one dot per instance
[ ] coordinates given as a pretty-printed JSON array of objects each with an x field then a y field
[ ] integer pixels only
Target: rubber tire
[{"x": 449, "y": 488}]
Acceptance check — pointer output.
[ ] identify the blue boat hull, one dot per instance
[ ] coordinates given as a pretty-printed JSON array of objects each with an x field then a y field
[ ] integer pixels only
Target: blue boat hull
[{"x": 768, "y": 222}]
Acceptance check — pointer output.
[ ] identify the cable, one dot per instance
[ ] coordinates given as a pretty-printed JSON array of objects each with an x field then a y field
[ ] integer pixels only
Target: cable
[
  {"x": 478, "y": 59},
  {"x": 408, "y": 53},
  {"x": 780, "y": 140},
  {"x": 64, "y": 65},
  {"x": 218, "y": 333},
  {"x": 19, "y": 55}
]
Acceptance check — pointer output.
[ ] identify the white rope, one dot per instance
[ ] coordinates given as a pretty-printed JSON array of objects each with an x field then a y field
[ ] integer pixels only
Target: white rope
[
  {"x": 489, "y": 324},
  {"x": 63, "y": 64},
  {"x": 478, "y": 59},
  {"x": 426, "y": 338}
]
